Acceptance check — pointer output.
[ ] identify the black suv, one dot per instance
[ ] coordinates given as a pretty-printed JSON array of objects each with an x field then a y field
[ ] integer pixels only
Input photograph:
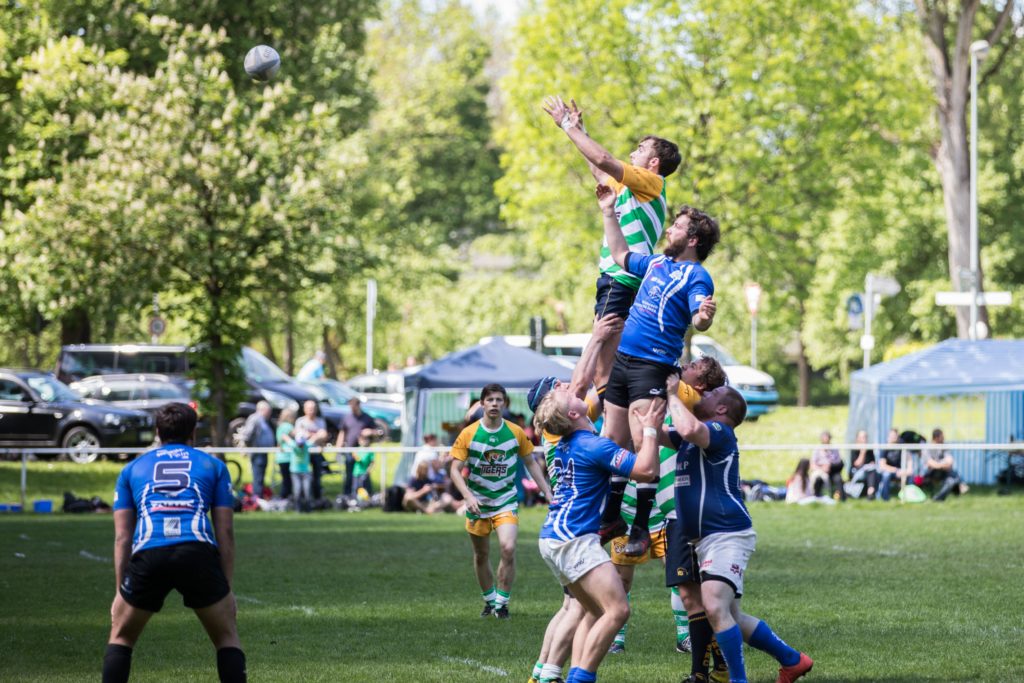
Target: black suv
[
  {"x": 266, "y": 381},
  {"x": 37, "y": 409}
]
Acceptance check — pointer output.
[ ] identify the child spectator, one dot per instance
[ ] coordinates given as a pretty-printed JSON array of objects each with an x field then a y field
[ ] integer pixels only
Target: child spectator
[
  {"x": 361, "y": 470},
  {"x": 800, "y": 489},
  {"x": 302, "y": 478},
  {"x": 286, "y": 443}
]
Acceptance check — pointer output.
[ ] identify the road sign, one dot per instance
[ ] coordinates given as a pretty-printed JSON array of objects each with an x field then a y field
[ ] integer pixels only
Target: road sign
[
  {"x": 964, "y": 298},
  {"x": 157, "y": 326},
  {"x": 855, "y": 311}
]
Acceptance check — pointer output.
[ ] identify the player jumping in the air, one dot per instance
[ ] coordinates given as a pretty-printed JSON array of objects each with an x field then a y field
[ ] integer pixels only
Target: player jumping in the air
[
  {"x": 568, "y": 540},
  {"x": 675, "y": 292},
  {"x": 164, "y": 541},
  {"x": 491, "y": 448},
  {"x": 559, "y": 633},
  {"x": 714, "y": 519},
  {"x": 640, "y": 206}
]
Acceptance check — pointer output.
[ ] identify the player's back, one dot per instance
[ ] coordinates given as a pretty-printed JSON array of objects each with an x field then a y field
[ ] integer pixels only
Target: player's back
[
  {"x": 172, "y": 489},
  {"x": 708, "y": 494}
]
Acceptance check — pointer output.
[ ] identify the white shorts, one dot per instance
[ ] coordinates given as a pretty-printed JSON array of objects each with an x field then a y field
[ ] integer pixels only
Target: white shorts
[
  {"x": 724, "y": 556},
  {"x": 571, "y": 560}
]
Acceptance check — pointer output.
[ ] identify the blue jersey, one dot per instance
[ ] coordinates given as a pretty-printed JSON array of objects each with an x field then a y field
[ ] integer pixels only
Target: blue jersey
[
  {"x": 171, "y": 489},
  {"x": 669, "y": 296},
  {"x": 580, "y": 466},
  {"x": 708, "y": 495}
]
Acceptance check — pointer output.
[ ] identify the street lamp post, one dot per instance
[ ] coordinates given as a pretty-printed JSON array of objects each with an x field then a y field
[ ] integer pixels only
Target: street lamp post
[
  {"x": 753, "y": 294},
  {"x": 979, "y": 49}
]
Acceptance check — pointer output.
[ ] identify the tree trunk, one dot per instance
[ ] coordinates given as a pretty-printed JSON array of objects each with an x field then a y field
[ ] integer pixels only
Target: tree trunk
[
  {"x": 289, "y": 340},
  {"x": 330, "y": 352},
  {"x": 218, "y": 392},
  {"x": 268, "y": 344},
  {"x": 803, "y": 373},
  {"x": 75, "y": 327}
]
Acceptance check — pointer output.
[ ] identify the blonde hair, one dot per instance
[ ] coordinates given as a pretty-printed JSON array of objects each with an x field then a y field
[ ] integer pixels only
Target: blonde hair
[
  {"x": 551, "y": 416},
  {"x": 287, "y": 415}
]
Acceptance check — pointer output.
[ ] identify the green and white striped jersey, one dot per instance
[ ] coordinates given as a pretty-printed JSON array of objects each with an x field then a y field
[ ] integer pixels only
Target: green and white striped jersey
[
  {"x": 640, "y": 207},
  {"x": 492, "y": 457}
]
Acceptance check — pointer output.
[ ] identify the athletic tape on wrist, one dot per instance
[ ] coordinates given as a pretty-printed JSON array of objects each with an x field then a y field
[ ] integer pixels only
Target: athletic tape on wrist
[{"x": 650, "y": 431}]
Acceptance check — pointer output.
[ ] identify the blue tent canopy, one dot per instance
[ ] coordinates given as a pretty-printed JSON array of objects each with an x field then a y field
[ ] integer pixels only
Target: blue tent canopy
[
  {"x": 496, "y": 361},
  {"x": 992, "y": 369}
]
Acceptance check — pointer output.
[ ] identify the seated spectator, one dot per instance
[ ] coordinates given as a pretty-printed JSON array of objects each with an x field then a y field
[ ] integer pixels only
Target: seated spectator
[
  {"x": 890, "y": 465},
  {"x": 427, "y": 453},
  {"x": 799, "y": 488},
  {"x": 940, "y": 469},
  {"x": 827, "y": 465},
  {"x": 863, "y": 469},
  {"x": 421, "y": 496}
]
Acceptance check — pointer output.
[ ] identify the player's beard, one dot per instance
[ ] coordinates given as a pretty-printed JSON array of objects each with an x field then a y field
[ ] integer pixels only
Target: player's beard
[{"x": 675, "y": 249}]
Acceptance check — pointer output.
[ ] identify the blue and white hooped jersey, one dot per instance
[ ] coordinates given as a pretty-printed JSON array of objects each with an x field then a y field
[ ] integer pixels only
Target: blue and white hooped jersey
[
  {"x": 172, "y": 490},
  {"x": 580, "y": 466},
  {"x": 708, "y": 495},
  {"x": 665, "y": 304}
]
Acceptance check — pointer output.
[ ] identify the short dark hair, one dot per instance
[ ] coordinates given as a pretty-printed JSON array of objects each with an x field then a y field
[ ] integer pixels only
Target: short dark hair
[
  {"x": 703, "y": 227},
  {"x": 175, "y": 423},
  {"x": 493, "y": 388},
  {"x": 712, "y": 375},
  {"x": 667, "y": 153},
  {"x": 736, "y": 406},
  {"x": 937, "y": 433}
]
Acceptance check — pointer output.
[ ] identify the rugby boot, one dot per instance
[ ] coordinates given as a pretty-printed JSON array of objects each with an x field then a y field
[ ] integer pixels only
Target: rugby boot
[
  {"x": 488, "y": 610},
  {"x": 612, "y": 530},
  {"x": 639, "y": 542},
  {"x": 501, "y": 612},
  {"x": 684, "y": 646},
  {"x": 788, "y": 674}
]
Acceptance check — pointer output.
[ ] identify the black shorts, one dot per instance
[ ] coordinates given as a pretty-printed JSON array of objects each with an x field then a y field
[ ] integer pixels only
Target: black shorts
[
  {"x": 635, "y": 378},
  {"x": 613, "y": 297},
  {"x": 192, "y": 569},
  {"x": 680, "y": 557}
]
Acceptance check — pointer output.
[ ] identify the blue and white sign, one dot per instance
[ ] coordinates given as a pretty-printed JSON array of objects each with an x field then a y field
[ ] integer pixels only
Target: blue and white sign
[{"x": 855, "y": 311}]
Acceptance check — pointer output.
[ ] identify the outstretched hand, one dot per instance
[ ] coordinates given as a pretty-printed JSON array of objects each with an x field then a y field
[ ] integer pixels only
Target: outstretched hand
[
  {"x": 672, "y": 385},
  {"x": 605, "y": 199},
  {"x": 707, "y": 308},
  {"x": 562, "y": 113}
]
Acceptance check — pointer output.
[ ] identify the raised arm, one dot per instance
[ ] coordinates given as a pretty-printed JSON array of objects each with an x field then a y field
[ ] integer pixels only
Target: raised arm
[
  {"x": 583, "y": 376},
  {"x": 612, "y": 230},
  {"x": 705, "y": 314},
  {"x": 686, "y": 423},
  {"x": 570, "y": 119}
]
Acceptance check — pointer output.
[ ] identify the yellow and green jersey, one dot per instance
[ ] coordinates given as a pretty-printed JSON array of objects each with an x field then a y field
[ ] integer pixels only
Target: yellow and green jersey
[
  {"x": 492, "y": 457},
  {"x": 640, "y": 207}
]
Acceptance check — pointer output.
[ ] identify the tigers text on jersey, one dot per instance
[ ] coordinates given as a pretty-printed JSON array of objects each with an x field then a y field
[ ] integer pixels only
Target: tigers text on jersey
[
  {"x": 172, "y": 490},
  {"x": 492, "y": 458},
  {"x": 708, "y": 495},
  {"x": 669, "y": 296},
  {"x": 581, "y": 464}
]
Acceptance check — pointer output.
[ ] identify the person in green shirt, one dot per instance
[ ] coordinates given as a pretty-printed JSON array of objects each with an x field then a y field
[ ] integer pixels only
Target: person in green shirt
[
  {"x": 361, "y": 469},
  {"x": 286, "y": 443}
]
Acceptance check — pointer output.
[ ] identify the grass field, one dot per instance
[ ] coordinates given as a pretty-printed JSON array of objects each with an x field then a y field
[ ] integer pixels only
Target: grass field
[{"x": 874, "y": 592}]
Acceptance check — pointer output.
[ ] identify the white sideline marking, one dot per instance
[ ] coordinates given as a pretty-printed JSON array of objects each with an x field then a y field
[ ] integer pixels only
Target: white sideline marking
[
  {"x": 308, "y": 611},
  {"x": 95, "y": 558},
  {"x": 20, "y": 556},
  {"x": 24, "y": 537},
  {"x": 476, "y": 664},
  {"x": 246, "y": 598}
]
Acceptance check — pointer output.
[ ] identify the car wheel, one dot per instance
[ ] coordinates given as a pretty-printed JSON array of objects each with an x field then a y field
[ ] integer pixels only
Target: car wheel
[
  {"x": 234, "y": 435},
  {"x": 81, "y": 437}
]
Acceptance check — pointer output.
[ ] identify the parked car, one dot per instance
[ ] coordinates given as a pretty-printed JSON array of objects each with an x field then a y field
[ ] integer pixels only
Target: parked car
[
  {"x": 266, "y": 381},
  {"x": 382, "y": 386},
  {"x": 757, "y": 387},
  {"x": 37, "y": 409},
  {"x": 335, "y": 393},
  {"x": 144, "y": 392}
]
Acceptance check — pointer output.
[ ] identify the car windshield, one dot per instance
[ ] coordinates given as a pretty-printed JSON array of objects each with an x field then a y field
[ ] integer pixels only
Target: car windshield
[
  {"x": 51, "y": 389},
  {"x": 338, "y": 393},
  {"x": 716, "y": 352},
  {"x": 258, "y": 367}
]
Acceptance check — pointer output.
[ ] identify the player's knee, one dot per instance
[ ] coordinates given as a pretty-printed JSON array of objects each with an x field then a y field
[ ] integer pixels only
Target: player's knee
[
  {"x": 508, "y": 554},
  {"x": 619, "y": 613}
]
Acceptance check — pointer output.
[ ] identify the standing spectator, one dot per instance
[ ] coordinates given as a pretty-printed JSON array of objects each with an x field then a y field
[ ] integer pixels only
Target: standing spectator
[
  {"x": 827, "y": 465},
  {"x": 312, "y": 430},
  {"x": 286, "y": 449},
  {"x": 940, "y": 470},
  {"x": 355, "y": 424},
  {"x": 863, "y": 468},
  {"x": 257, "y": 433},
  {"x": 302, "y": 479},
  {"x": 890, "y": 465},
  {"x": 361, "y": 468},
  {"x": 313, "y": 368}
]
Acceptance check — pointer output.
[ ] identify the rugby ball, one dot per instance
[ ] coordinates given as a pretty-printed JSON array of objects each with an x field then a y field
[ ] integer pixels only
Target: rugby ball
[{"x": 262, "y": 62}]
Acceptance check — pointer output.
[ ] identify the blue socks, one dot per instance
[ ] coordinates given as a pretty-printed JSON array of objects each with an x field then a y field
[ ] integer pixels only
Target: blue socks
[
  {"x": 764, "y": 638},
  {"x": 730, "y": 642},
  {"x": 578, "y": 675}
]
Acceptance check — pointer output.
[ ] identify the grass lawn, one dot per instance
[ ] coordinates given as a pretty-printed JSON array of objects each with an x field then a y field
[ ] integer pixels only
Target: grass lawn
[{"x": 874, "y": 592}]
